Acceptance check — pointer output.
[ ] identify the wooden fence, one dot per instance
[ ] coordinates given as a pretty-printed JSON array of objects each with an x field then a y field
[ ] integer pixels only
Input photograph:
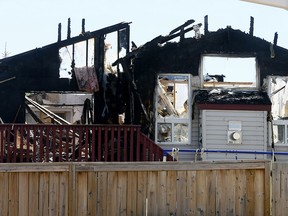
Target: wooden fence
[{"x": 144, "y": 188}]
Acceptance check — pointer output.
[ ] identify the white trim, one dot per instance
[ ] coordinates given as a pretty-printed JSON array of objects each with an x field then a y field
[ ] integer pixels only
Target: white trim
[
  {"x": 285, "y": 123},
  {"x": 174, "y": 120},
  {"x": 266, "y": 133},
  {"x": 203, "y": 133}
]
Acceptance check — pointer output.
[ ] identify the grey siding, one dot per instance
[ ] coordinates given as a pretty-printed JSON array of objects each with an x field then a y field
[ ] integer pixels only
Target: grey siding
[{"x": 215, "y": 133}]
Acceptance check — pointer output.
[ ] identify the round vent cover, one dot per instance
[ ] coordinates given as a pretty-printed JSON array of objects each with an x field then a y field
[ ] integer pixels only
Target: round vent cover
[{"x": 236, "y": 135}]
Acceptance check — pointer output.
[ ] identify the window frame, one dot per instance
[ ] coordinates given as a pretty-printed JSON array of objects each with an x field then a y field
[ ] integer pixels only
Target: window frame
[
  {"x": 174, "y": 120},
  {"x": 285, "y": 124},
  {"x": 232, "y": 85}
]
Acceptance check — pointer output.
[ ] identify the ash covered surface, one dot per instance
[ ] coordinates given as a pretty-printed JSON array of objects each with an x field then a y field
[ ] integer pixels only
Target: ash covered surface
[{"x": 232, "y": 97}]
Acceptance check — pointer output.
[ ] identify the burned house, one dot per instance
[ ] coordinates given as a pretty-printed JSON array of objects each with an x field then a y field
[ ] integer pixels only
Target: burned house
[
  {"x": 180, "y": 88},
  {"x": 236, "y": 114},
  {"x": 73, "y": 65}
]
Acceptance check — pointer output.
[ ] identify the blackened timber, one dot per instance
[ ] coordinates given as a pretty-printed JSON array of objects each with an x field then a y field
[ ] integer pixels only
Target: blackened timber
[
  {"x": 158, "y": 40},
  {"x": 99, "y": 100},
  {"x": 76, "y": 39},
  {"x": 59, "y": 32},
  {"x": 206, "y": 25},
  {"x": 94, "y": 34},
  {"x": 128, "y": 38},
  {"x": 135, "y": 90},
  {"x": 251, "y": 30},
  {"x": 181, "y": 27},
  {"x": 10, "y": 103},
  {"x": 99, "y": 57},
  {"x": 275, "y": 39},
  {"x": 83, "y": 26},
  {"x": 38, "y": 70},
  {"x": 69, "y": 29}
]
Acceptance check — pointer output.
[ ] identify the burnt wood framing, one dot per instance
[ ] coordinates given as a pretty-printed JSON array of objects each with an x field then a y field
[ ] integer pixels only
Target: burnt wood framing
[
  {"x": 38, "y": 70},
  {"x": 162, "y": 56}
]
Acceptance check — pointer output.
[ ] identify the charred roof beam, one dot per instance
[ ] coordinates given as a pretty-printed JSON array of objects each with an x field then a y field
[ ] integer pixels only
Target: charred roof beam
[{"x": 97, "y": 33}]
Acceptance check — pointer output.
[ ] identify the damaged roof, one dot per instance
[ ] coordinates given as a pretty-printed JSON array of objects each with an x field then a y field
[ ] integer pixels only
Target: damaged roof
[
  {"x": 184, "y": 56},
  {"x": 38, "y": 69},
  {"x": 164, "y": 55},
  {"x": 232, "y": 99}
]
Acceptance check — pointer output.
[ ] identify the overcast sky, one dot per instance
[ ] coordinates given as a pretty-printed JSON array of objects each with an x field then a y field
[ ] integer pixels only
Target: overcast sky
[{"x": 30, "y": 24}]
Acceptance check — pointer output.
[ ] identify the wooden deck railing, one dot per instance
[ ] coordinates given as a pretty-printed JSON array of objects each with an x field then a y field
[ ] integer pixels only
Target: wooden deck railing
[{"x": 58, "y": 143}]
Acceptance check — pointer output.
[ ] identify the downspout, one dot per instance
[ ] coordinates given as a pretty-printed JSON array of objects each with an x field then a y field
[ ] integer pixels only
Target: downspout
[{"x": 273, "y": 158}]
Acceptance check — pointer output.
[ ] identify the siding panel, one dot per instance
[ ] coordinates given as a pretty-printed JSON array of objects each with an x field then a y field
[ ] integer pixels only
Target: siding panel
[{"x": 216, "y": 126}]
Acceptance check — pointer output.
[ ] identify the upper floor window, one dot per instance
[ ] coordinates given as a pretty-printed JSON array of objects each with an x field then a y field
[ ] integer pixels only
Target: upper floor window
[
  {"x": 173, "y": 108},
  {"x": 229, "y": 72}
]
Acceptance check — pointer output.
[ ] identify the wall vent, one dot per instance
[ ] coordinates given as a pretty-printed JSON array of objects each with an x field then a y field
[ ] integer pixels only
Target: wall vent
[{"x": 234, "y": 137}]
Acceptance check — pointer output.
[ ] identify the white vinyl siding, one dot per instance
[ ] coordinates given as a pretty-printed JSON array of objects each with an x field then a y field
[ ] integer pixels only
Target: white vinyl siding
[{"x": 215, "y": 126}]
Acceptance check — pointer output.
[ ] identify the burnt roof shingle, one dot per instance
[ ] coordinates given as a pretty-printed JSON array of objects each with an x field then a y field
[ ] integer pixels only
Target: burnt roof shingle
[{"x": 232, "y": 97}]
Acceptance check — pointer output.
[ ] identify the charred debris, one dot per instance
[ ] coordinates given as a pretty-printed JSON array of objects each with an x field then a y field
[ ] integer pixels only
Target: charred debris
[
  {"x": 164, "y": 55},
  {"x": 127, "y": 86}
]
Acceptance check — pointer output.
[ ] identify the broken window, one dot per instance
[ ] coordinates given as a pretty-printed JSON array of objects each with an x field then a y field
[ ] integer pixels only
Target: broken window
[
  {"x": 66, "y": 58},
  {"x": 173, "y": 115},
  {"x": 278, "y": 92},
  {"x": 123, "y": 43},
  {"x": 229, "y": 72},
  {"x": 116, "y": 46},
  {"x": 110, "y": 53},
  {"x": 279, "y": 132},
  {"x": 83, "y": 56}
]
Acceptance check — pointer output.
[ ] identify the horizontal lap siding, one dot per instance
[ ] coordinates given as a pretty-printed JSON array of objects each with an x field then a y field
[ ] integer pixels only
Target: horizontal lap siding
[{"x": 216, "y": 126}]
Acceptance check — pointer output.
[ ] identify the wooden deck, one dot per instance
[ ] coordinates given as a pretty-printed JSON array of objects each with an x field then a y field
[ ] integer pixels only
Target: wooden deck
[{"x": 60, "y": 143}]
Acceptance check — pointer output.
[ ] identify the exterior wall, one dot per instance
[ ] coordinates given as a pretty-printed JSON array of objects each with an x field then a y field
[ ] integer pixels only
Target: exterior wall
[{"x": 215, "y": 126}]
